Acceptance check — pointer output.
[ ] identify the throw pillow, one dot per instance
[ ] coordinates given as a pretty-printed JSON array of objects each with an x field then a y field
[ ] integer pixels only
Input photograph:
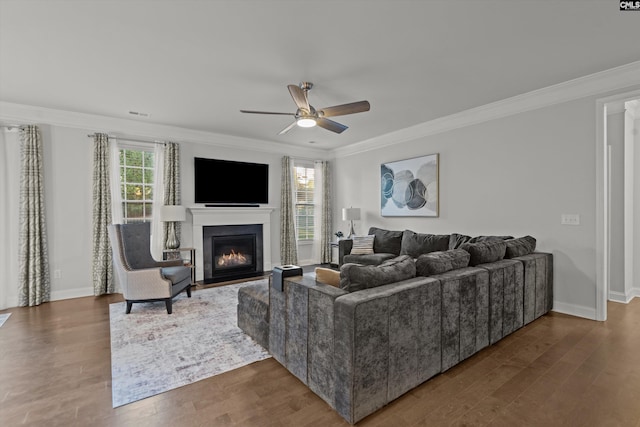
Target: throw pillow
[
  {"x": 386, "y": 241},
  {"x": 520, "y": 247},
  {"x": 415, "y": 244},
  {"x": 362, "y": 245},
  {"x": 485, "y": 252},
  {"x": 328, "y": 276},
  {"x": 355, "y": 277},
  {"x": 440, "y": 262}
]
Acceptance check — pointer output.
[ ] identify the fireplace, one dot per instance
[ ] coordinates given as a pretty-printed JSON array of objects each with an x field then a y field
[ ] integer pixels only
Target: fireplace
[{"x": 231, "y": 252}]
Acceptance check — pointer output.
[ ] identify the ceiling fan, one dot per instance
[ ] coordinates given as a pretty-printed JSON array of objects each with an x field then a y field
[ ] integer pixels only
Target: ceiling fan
[{"x": 306, "y": 116}]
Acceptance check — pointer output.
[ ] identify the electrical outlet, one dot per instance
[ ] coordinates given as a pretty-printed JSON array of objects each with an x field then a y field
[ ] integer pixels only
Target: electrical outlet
[
  {"x": 570, "y": 219},
  {"x": 57, "y": 274}
]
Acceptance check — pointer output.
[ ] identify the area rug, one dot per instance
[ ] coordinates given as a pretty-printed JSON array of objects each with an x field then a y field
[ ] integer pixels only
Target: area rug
[
  {"x": 3, "y": 318},
  {"x": 153, "y": 352}
]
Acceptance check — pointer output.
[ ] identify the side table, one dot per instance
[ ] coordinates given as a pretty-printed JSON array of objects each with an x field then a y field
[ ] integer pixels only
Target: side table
[
  {"x": 168, "y": 254},
  {"x": 334, "y": 246}
]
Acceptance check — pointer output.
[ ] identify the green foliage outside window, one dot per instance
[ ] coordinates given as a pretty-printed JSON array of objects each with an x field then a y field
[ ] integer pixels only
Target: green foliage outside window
[
  {"x": 305, "y": 208},
  {"x": 136, "y": 184}
]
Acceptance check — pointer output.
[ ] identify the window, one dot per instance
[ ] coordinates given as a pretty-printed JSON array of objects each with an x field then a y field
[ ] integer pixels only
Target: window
[
  {"x": 136, "y": 184},
  {"x": 305, "y": 208}
]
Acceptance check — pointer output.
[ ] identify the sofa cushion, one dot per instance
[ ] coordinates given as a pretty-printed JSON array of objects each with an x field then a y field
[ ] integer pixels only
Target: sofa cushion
[
  {"x": 485, "y": 252},
  {"x": 362, "y": 245},
  {"x": 371, "y": 259},
  {"x": 441, "y": 262},
  {"x": 355, "y": 277},
  {"x": 520, "y": 247},
  {"x": 386, "y": 241},
  {"x": 415, "y": 244},
  {"x": 487, "y": 238},
  {"x": 455, "y": 240}
]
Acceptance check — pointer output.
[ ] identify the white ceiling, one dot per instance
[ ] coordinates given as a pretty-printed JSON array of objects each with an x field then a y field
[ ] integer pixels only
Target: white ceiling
[{"x": 195, "y": 64}]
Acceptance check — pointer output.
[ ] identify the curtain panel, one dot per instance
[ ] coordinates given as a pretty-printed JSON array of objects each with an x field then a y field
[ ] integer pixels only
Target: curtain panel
[
  {"x": 171, "y": 184},
  {"x": 102, "y": 267},
  {"x": 326, "y": 217},
  {"x": 34, "y": 286},
  {"x": 288, "y": 244}
]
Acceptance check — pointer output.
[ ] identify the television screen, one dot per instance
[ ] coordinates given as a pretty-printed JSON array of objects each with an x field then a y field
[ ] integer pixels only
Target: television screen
[{"x": 229, "y": 182}]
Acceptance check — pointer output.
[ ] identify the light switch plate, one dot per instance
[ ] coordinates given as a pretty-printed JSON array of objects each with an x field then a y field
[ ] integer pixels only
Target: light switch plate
[{"x": 570, "y": 219}]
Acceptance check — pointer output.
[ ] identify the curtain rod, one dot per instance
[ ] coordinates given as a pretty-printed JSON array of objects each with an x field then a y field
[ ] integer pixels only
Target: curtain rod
[
  {"x": 10, "y": 127},
  {"x": 122, "y": 138}
]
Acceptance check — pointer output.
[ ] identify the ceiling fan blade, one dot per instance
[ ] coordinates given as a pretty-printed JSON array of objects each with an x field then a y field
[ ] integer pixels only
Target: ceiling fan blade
[
  {"x": 331, "y": 125},
  {"x": 287, "y": 129},
  {"x": 266, "y": 112},
  {"x": 299, "y": 97},
  {"x": 341, "y": 110}
]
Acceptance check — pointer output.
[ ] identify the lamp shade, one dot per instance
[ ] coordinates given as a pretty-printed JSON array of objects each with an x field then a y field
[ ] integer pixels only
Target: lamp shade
[
  {"x": 173, "y": 213},
  {"x": 350, "y": 214}
]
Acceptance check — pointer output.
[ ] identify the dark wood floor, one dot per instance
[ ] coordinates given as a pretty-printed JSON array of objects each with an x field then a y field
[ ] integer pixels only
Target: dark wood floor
[{"x": 560, "y": 370}]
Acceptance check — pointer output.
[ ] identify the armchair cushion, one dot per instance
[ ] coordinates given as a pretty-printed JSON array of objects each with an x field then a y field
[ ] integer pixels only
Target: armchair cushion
[{"x": 176, "y": 274}]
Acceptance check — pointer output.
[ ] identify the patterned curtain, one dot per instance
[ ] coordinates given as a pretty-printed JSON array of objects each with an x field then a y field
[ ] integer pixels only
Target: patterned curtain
[
  {"x": 288, "y": 244},
  {"x": 326, "y": 218},
  {"x": 102, "y": 267},
  {"x": 34, "y": 286},
  {"x": 171, "y": 183}
]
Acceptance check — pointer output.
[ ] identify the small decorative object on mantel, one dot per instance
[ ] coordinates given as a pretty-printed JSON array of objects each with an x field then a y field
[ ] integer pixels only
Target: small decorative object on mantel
[
  {"x": 410, "y": 187},
  {"x": 339, "y": 234}
]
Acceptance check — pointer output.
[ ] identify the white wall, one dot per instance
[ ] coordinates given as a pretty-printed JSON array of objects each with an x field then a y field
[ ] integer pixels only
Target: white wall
[{"x": 514, "y": 175}]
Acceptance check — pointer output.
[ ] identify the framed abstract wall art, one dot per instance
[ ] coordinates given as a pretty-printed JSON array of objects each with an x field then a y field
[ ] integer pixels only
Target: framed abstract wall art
[{"x": 410, "y": 187}]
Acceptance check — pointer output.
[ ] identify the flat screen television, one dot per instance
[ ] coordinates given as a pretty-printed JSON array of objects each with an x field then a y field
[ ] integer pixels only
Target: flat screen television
[{"x": 226, "y": 182}]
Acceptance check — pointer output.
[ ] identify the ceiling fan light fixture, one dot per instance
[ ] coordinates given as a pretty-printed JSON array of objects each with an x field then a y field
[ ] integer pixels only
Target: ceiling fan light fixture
[{"x": 306, "y": 122}]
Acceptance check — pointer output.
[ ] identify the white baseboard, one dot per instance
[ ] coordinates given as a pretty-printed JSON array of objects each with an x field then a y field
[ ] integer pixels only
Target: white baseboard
[
  {"x": 621, "y": 297},
  {"x": 71, "y": 293},
  {"x": 575, "y": 310}
]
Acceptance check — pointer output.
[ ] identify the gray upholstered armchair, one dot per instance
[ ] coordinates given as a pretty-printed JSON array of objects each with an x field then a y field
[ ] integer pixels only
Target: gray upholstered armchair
[{"x": 142, "y": 278}]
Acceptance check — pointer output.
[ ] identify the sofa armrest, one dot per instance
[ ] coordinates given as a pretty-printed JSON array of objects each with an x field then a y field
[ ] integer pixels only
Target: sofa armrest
[
  {"x": 344, "y": 248},
  {"x": 301, "y": 325},
  {"x": 387, "y": 341}
]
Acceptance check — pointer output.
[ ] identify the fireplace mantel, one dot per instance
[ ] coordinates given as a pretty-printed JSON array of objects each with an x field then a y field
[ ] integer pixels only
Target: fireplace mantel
[{"x": 203, "y": 217}]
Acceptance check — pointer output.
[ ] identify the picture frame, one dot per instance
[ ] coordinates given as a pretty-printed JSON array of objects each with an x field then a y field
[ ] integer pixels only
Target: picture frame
[{"x": 410, "y": 187}]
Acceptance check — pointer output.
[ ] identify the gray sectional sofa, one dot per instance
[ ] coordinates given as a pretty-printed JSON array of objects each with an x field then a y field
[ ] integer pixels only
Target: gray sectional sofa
[{"x": 398, "y": 320}]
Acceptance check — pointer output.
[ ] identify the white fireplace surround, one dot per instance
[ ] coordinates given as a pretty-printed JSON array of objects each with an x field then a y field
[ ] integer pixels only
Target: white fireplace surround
[{"x": 203, "y": 217}]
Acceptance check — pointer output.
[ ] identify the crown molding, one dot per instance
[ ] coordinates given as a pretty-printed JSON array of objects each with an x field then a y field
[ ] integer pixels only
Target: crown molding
[
  {"x": 16, "y": 114},
  {"x": 593, "y": 84},
  {"x": 634, "y": 108}
]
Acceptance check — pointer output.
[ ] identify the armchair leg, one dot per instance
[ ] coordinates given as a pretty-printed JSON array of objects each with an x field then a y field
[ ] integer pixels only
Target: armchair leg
[
  {"x": 189, "y": 291},
  {"x": 168, "y": 303},
  {"x": 129, "y": 304}
]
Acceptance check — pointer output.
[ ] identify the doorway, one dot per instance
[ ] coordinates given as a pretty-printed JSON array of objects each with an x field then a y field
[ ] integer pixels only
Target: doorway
[{"x": 618, "y": 199}]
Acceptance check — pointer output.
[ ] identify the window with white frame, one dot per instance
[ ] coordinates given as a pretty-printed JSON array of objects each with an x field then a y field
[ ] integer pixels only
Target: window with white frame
[
  {"x": 137, "y": 184},
  {"x": 305, "y": 205}
]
